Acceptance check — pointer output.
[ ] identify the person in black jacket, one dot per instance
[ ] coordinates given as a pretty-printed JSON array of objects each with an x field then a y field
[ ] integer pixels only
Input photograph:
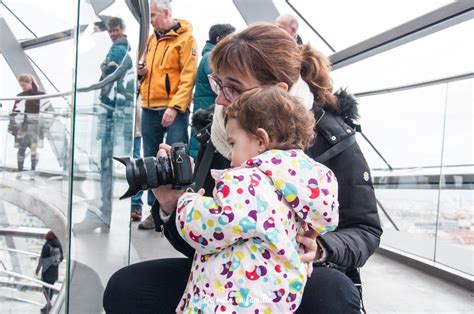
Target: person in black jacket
[
  {"x": 27, "y": 131},
  {"x": 50, "y": 258},
  {"x": 262, "y": 55}
]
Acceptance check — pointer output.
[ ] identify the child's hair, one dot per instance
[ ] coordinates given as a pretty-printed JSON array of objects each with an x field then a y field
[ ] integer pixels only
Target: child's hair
[{"x": 288, "y": 123}]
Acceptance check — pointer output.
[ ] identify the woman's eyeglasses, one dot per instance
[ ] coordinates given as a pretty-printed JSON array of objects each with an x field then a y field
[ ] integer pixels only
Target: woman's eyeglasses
[{"x": 218, "y": 87}]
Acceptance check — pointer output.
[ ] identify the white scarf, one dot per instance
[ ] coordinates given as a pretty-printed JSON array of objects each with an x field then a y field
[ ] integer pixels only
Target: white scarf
[{"x": 218, "y": 135}]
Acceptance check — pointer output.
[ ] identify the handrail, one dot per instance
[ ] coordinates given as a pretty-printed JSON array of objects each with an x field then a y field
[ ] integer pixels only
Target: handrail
[
  {"x": 42, "y": 96},
  {"x": 124, "y": 66},
  {"x": 448, "y": 79},
  {"x": 423, "y": 167},
  {"x": 44, "y": 284},
  {"x": 19, "y": 251},
  {"x": 23, "y": 300}
]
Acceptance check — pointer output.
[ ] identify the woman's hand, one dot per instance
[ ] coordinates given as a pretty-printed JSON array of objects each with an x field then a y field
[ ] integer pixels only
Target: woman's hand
[
  {"x": 141, "y": 70},
  {"x": 308, "y": 247},
  {"x": 165, "y": 194},
  {"x": 167, "y": 197}
]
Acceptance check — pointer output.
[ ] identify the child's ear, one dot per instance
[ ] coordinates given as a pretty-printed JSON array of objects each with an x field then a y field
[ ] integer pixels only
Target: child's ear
[{"x": 263, "y": 140}]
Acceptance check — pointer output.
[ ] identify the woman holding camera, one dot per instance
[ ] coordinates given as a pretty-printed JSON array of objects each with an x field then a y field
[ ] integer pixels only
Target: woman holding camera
[{"x": 265, "y": 55}]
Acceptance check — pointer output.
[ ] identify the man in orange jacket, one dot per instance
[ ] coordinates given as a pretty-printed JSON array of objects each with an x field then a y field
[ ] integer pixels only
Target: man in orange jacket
[{"x": 168, "y": 73}]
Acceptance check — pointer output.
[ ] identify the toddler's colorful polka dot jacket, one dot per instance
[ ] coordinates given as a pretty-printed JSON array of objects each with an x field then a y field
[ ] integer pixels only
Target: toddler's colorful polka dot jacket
[{"x": 246, "y": 257}]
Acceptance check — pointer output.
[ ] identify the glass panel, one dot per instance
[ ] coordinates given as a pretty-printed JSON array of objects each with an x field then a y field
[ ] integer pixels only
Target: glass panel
[
  {"x": 103, "y": 127},
  {"x": 306, "y": 33},
  {"x": 57, "y": 70},
  {"x": 455, "y": 242},
  {"x": 37, "y": 14},
  {"x": 205, "y": 13},
  {"x": 19, "y": 256},
  {"x": 18, "y": 29},
  {"x": 412, "y": 124},
  {"x": 435, "y": 56},
  {"x": 406, "y": 128},
  {"x": 8, "y": 83},
  {"x": 345, "y": 23},
  {"x": 34, "y": 150}
]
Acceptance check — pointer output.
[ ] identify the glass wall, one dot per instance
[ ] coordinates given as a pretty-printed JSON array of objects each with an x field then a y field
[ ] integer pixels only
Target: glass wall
[
  {"x": 56, "y": 167},
  {"x": 425, "y": 134}
]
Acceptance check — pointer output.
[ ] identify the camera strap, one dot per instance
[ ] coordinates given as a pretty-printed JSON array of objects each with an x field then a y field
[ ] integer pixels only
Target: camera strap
[{"x": 204, "y": 165}]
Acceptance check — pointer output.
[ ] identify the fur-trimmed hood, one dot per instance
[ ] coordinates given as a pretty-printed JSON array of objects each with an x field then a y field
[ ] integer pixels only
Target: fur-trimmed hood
[{"x": 347, "y": 105}]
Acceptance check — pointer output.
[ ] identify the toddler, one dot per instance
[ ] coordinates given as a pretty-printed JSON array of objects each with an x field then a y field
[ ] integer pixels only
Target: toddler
[{"x": 246, "y": 257}]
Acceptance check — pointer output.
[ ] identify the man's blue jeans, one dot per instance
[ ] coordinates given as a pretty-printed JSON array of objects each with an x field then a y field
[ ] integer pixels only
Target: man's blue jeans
[
  {"x": 153, "y": 134},
  {"x": 137, "y": 147}
]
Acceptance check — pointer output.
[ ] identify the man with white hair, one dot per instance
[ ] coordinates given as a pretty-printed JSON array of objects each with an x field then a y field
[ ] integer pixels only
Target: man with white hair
[
  {"x": 289, "y": 23},
  {"x": 168, "y": 72}
]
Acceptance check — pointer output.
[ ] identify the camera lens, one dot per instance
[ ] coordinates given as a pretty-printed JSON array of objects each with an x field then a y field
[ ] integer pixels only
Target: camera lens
[
  {"x": 146, "y": 173},
  {"x": 150, "y": 172}
]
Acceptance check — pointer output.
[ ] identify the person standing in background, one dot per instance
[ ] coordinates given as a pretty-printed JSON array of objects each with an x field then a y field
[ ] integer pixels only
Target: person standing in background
[
  {"x": 114, "y": 135},
  {"x": 166, "y": 88},
  {"x": 204, "y": 97},
  {"x": 50, "y": 258},
  {"x": 289, "y": 23},
  {"x": 26, "y": 129}
]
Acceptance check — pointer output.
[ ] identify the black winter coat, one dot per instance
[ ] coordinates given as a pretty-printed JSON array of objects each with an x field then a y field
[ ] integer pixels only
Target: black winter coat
[{"x": 358, "y": 234}]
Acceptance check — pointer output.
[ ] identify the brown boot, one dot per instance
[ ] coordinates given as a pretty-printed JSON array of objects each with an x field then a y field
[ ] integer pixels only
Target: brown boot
[{"x": 148, "y": 223}]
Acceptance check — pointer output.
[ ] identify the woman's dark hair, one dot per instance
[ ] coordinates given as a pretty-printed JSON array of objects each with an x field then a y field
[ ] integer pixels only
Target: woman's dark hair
[
  {"x": 221, "y": 31},
  {"x": 50, "y": 236},
  {"x": 269, "y": 54}
]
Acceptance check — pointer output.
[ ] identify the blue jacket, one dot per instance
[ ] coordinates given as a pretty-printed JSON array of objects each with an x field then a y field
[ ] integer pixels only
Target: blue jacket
[{"x": 116, "y": 53}]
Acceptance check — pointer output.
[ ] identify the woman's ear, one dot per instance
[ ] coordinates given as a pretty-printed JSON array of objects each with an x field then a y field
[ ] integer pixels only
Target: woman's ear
[
  {"x": 282, "y": 85},
  {"x": 263, "y": 140}
]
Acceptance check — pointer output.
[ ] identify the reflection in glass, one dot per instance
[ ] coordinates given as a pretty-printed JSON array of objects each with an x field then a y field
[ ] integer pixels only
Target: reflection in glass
[{"x": 103, "y": 127}]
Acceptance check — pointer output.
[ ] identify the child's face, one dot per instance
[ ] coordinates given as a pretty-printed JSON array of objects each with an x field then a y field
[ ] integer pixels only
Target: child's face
[{"x": 244, "y": 145}]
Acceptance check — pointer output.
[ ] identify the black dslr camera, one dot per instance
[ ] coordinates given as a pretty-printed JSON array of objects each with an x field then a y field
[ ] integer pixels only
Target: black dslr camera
[{"x": 150, "y": 172}]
